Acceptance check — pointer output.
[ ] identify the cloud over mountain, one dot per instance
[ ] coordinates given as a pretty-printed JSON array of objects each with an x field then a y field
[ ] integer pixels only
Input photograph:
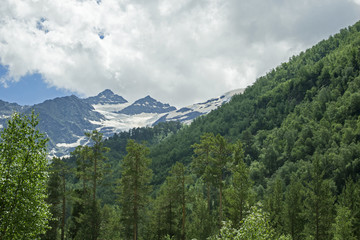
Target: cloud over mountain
[{"x": 186, "y": 52}]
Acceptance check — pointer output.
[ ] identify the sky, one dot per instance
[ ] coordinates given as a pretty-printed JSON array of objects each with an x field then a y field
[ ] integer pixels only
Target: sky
[{"x": 178, "y": 51}]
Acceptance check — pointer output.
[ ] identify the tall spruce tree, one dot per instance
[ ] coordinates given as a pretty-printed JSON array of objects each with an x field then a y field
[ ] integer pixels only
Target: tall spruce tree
[
  {"x": 177, "y": 180},
  {"x": 319, "y": 204},
  {"x": 350, "y": 198},
  {"x": 202, "y": 160},
  {"x": 57, "y": 198},
  {"x": 54, "y": 201},
  {"x": 343, "y": 226},
  {"x": 293, "y": 207},
  {"x": 238, "y": 194},
  {"x": 222, "y": 155},
  {"x": 274, "y": 204},
  {"x": 134, "y": 187},
  {"x": 97, "y": 158},
  {"x": 90, "y": 168}
]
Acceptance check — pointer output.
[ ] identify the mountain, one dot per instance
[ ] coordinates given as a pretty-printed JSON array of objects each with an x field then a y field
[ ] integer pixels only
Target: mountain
[
  {"x": 106, "y": 97},
  {"x": 147, "y": 105},
  {"x": 304, "y": 110},
  {"x": 298, "y": 158},
  {"x": 65, "y": 119},
  {"x": 6, "y": 109},
  {"x": 189, "y": 113}
]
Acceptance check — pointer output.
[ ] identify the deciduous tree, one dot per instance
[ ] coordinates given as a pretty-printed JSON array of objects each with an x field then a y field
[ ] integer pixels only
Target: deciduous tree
[{"x": 24, "y": 214}]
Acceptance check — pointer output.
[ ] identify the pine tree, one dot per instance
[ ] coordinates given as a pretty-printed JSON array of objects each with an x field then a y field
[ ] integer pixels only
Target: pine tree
[
  {"x": 200, "y": 223},
  {"x": 97, "y": 158},
  {"x": 293, "y": 219},
  {"x": 343, "y": 226},
  {"x": 134, "y": 187},
  {"x": 222, "y": 155},
  {"x": 213, "y": 154},
  {"x": 201, "y": 161},
  {"x": 90, "y": 168},
  {"x": 319, "y": 204},
  {"x": 57, "y": 198},
  {"x": 350, "y": 197},
  {"x": 54, "y": 200},
  {"x": 238, "y": 194},
  {"x": 275, "y": 204},
  {"x": 177, "y": 180}
]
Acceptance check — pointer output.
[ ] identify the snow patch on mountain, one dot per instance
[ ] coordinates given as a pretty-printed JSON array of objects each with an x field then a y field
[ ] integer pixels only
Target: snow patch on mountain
[
  {"x": 71, "y": 145},
  {"x": 116, "y": 122},
  {"x": 65, "y": 119},
  {"x": 189, "y": 113}
]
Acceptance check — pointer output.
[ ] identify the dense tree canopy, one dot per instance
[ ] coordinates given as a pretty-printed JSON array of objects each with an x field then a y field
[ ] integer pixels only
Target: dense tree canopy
[
  {"x": 24, "y": 213},
  {"x": 280, "y": 161}
]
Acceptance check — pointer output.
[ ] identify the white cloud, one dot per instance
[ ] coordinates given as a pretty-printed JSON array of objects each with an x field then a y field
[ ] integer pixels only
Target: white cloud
[{"x": 178, "y": 53}]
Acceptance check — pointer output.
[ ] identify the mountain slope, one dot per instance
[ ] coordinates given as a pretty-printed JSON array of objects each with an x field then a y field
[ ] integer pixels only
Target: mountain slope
[
  {"x": 6, "y": 109},
  {"x": 189, "y": 113},
  {"x": 318, "y": 88},
  {"x": 106, "y": 97},
  {"x": 65, "y": 119},
  {"x": 147, "y": 105}
]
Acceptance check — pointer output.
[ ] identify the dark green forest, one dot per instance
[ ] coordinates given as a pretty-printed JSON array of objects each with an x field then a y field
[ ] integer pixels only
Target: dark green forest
[{"x": 280, "y": 161}]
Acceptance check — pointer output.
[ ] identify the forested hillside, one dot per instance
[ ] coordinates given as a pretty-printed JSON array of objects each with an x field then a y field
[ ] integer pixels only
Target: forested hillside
[{"x": 283, "y": 157}]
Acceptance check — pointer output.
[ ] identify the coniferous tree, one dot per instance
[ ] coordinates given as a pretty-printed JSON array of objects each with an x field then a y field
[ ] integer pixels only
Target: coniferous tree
[
  {"x": 202, "y": 160},
  {"x": 54, "y": 200},
  {"x": 274, "y": 205},
  {"x": 222, "y": 155},
  {"x": 319, "y": 204},
  {"x": 177, "y": 180},
  {"x": 134, "y": 187},
  {"x": 200, "y": 223},
  {"x": 350, "y": 198},
  {"x": 97, "y": 158},
  {"x": 90, "y": 167},
  {"x": 57, "y": 198},
  {"x": 343, "y": 226},
  {"x": 293, "y": 207},
  {"x": 238, "y": 194}
]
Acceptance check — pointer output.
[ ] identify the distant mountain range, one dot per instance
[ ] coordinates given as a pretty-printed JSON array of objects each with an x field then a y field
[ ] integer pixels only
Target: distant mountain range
[{"x": 65, "y": 119}]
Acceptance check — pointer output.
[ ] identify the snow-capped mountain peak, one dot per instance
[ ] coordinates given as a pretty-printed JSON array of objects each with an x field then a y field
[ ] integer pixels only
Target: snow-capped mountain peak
[
  {"x": 106, "y": 97},
  {"x": 65, "y": 119},
  {"x": 147, "y": 105}
]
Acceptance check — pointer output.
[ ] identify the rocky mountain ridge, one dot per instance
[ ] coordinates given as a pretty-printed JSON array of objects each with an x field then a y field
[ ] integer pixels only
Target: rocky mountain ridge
[{"x": 65, "y": 119}]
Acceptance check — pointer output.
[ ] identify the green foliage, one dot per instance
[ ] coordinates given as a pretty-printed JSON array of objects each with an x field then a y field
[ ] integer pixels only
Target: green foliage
[
  {"x": 53, "y": 199},
  {"x": 318, "y": 204},
  {"x": 134, "y": 187},
  {"x": 293, "y": 208},
  {"x": 24, "y": 214},
  {"x": 238, "y": 196},
  {"x": 57, "y": 195},
  {"x": 90, "y": 169},
  {"x": 343, "y": 226},
  {"x": 109, "y": 229},
  {"x": 299, "y": 128},
  {"x": 255, "y": 226},
  {"x": 350, "y": 198},
  {"x": 201, "y": 222},
  {"x": 275, "y": 203}
]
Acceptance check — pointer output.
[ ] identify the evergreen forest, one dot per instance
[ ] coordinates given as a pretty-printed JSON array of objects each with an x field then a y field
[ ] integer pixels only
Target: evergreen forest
[{"x": 280, "y": 161}]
